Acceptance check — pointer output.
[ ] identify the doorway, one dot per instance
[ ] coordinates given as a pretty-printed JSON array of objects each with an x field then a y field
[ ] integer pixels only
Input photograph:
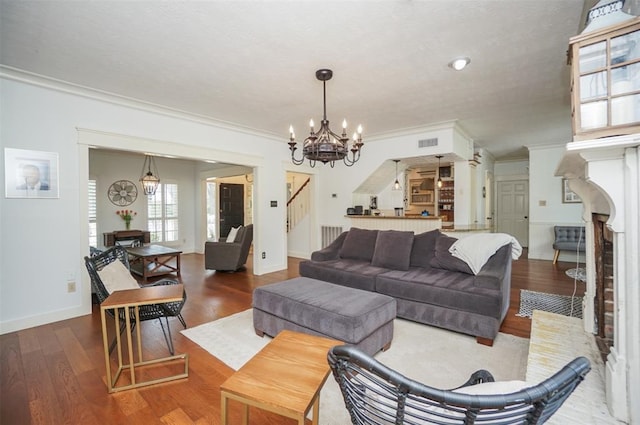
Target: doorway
[
  {"x": 513, "y": 209},
  {"x": 231, "y": 204}
]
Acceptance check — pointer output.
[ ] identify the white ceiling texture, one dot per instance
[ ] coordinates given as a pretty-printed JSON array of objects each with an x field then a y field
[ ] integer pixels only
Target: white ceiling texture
[{"x": 253, "y": 63}]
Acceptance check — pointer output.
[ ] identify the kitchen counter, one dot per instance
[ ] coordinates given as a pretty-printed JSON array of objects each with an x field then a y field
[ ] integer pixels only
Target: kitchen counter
[
  {"x": 417, "y": 223},
  {"x": 395, "y": 217}
]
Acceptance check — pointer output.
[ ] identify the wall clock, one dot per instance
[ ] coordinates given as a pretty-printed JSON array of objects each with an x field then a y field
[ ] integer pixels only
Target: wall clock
[{"x": 122, "y": 193}]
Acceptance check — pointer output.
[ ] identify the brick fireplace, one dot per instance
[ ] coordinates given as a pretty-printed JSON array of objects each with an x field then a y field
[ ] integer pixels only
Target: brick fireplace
[{"x": 604, "y": 302}]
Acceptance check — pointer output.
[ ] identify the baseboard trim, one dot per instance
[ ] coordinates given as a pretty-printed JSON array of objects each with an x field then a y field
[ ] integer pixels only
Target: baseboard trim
[{"x": 42, "y": 319}]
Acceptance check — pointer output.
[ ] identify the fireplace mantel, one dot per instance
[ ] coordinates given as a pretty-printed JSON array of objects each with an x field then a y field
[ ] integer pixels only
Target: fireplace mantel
[{"x": 605, "y": 174}]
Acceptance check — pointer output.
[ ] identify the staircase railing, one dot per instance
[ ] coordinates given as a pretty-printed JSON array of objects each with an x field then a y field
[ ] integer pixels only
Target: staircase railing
[{"x": 298, "y": 205}]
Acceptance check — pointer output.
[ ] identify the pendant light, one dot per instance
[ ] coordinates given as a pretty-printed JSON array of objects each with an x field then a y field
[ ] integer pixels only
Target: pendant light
[
  {"x": 396, "y": 184},
  {"x": 439, "y": 179},
  {"x": 148, "y": 180}
]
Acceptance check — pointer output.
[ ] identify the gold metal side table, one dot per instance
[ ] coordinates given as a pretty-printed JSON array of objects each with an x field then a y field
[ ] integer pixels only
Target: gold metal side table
[{"x": 130, "y": 301}]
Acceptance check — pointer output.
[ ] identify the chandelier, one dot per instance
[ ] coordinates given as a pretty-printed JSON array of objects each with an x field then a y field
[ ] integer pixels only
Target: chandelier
[
  {"x": 148, "y": 180},
  {"x": 325, "y": 145}
]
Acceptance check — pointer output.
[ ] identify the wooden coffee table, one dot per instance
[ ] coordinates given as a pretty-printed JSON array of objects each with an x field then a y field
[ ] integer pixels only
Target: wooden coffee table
[
  {"x": 285, "y": 377},
  {"x": 154, "y": 260}
]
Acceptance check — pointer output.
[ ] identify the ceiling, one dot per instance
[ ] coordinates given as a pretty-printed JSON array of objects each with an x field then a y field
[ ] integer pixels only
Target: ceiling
[{"x": 253, "y": 63}]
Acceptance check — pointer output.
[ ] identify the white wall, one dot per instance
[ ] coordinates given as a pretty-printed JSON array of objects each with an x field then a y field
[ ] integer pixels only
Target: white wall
[
  {"x": 342, "y": 181},
  {"x": 43, "y": 241},
  {"x": 546, "y": 208},
  {"x": 518, "y": 168}
]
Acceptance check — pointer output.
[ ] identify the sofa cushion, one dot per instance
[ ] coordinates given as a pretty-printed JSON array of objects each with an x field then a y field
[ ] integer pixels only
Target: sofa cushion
[
  {"x": 356, "y": 274},
  {"x": 233, "y": 233},
  {"x": 498, "y": 387},
  {"x": 424, "y": 248},
  {"x": 393, "y": 249},
  {"x": 443, "y": 258},
  {"x": 444, "y": 288},
  {"x": 359, "y": 244}
]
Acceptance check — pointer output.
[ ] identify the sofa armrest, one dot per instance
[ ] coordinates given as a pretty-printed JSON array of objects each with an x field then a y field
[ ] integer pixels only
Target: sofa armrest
[
  {"x": 332, "y": 251},
  {"x": 496, "y": 269},
  {"x": 496, "y": 275}
]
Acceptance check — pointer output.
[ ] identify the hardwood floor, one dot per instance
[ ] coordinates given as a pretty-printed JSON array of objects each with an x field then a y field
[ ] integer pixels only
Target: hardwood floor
[{"x": 54, "y": 374}]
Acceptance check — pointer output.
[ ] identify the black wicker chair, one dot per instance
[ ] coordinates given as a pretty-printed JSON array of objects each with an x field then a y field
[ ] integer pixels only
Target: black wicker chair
[
  {"x": 376, "y": 394},
  {"x": 97, "y": 262}
]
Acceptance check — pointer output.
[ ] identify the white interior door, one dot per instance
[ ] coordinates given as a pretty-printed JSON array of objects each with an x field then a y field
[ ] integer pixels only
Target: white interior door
[{"x": 513, "y": 209}]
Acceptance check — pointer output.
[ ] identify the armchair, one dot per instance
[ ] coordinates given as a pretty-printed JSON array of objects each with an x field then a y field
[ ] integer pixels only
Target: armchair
[
  {"x": 376, "y": 394},
  {"x": 97, "y": 262},
  {"x": 229, "y": 256},
  {"x": 568, "y": 238}
]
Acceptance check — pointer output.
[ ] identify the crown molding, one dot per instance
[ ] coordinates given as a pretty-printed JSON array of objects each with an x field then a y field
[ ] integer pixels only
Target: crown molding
[
  {"x": 422, "y": 129},
  {"x": 26, "y": 77}
]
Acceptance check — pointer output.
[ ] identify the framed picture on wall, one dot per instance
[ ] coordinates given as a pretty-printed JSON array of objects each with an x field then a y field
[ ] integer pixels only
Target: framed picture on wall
[
  {"x": 568, "y": 197},
  {"x": 30, "y": 174}
]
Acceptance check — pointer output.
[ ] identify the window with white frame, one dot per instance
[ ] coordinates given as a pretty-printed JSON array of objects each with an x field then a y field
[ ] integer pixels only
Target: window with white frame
[
  {"x": 162, "y": 213},
  {"x": 93, "y": 230}
]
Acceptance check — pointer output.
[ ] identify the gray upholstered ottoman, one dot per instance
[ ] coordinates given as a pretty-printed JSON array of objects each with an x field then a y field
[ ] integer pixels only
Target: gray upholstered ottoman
[{"x": 357, "y": 317}]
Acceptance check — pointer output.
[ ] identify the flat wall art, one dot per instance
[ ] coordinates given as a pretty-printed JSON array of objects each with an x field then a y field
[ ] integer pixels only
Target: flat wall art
[
  {"x": 30, "y": 174},
  {"x": 568, "y": 196}
]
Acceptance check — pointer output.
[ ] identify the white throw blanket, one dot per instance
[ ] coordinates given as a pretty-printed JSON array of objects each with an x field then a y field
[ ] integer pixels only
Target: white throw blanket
[{"x": 476, "y": 249}]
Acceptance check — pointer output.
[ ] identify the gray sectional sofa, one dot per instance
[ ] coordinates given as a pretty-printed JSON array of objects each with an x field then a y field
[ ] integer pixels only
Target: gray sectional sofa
[{"x": 429, "y": 284}]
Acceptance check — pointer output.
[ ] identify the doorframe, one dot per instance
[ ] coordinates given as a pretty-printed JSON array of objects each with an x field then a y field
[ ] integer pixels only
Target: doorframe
[
  {"x": 489, "y": 204},
  {"x": 222, "y": 173},
  {"x": 509, "y": 178},
  {"x": 141, "y": 145},
  {"x": 314, "y": 227}
]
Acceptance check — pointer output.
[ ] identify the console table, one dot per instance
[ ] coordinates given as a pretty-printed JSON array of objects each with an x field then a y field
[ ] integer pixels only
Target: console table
[{"x": 110, "y": 238}]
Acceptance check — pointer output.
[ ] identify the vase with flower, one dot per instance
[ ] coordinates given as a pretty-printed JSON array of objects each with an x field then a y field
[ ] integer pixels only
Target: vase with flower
[{"x": 127, "y": 216}]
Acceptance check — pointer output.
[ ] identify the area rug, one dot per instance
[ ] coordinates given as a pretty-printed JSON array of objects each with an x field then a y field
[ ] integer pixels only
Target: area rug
[
  {"x": 433, "y": 356},
  {"x": 553, "y": 303},
  {"x": 579, "y": 273}
]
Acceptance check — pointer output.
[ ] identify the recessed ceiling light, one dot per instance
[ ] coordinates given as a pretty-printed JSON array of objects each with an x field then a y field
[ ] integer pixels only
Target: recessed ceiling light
[{"x": 459, "y": 63}]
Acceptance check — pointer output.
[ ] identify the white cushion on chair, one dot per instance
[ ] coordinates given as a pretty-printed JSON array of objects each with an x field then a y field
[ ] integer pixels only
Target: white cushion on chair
[
  {"x": 116, "y": 277},
  {"x": 499, "y": 387},
  {"x": 232, "y": 234}
]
